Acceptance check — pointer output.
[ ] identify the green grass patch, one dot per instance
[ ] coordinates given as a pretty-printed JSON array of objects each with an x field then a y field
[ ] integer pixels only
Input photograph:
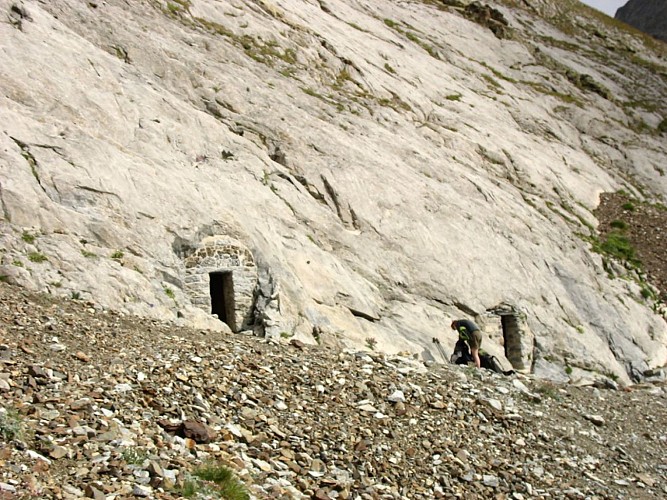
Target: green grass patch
[
  {"x": 492, "y": 81},
  {"x": 11, "y": 425},
  {"x": 37, "y": 257},
  {"x": 311, "y": 92},
  {"x": 498, "y": 74},
  {"x": 214, "y": 479},
  {"x": 357, "y": 27},
  {"x": 565, "y": 98},
  {"x": 549, "y": 391},
  {"x": 647, "y": 293},
  {"x": 412, "y": 36},
  {"x": 28, "y": 237},
  {"x": 134, "y": 456},
  {"x": 175, "y": 7},
  {"x": 617, "y": 245}
]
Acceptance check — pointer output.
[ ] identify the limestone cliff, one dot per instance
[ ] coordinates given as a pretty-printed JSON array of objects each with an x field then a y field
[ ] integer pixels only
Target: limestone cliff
[{"x": 351, "y": 174}]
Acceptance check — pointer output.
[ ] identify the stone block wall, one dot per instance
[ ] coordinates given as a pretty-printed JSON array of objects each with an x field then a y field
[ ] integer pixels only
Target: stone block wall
[{"x": 221, "y": 254}]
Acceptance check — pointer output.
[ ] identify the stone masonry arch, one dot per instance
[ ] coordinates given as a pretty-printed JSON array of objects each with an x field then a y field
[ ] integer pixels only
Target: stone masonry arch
[
  {"x": 221, "y": 279},
  {"x": 518, "y": 339}
]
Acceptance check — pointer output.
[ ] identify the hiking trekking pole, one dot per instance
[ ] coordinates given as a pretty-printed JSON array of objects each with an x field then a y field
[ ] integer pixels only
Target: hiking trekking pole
[{"x": 442, "y": 351}]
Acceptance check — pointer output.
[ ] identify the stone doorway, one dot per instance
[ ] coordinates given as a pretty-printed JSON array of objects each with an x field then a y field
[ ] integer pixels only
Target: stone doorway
[
  {"x": 517, "y": 340},
  {"x": 221, "y": 286},
  {"x": 221, "y": 279}
]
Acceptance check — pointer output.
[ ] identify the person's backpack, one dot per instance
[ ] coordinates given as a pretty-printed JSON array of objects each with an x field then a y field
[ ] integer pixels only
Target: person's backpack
[
  {"x": 462, "y": 356},
  {"x": 491, "y": 363}
]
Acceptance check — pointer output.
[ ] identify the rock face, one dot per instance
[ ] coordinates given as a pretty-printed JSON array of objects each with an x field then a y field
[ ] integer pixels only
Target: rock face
[
  {"x": 648, "y": 16},
  {"x": 345, "y": 174}
]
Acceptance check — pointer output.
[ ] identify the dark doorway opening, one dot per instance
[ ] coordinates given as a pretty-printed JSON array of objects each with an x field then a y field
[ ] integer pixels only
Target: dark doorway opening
[
  {"x": 512, "y": 340},
  {"x": 222, "y": 297}
]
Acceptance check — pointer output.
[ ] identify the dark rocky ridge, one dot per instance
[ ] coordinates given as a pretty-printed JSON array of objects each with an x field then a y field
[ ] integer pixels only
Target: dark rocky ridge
[
  {"x": 96, "y": 397},
  {"x": 649, "y": 16}
]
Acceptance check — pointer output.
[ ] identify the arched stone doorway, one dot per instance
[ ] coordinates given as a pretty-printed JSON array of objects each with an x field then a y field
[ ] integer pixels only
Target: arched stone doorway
[
  {"x": 518, "y": 339},
  {"x": 221, "y": 278}
]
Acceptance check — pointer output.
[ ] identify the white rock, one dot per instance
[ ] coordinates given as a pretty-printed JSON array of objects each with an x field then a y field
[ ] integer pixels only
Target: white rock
[
  {"x": 396, "y": 396},
  {"x": 142, "y": 490}
]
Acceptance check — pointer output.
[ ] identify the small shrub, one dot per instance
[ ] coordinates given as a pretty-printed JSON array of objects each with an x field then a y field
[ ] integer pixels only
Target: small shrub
[
  {"x": 548, "y": 391},
  {"x": 75, "y": 295},
  {"x": 215, "y": 479},
  {"x": 88, "y": 254},
  {"x": 134, "y": 456},
  {"x": 617, "y": 245},
  {"x": 11, "y": 426},
  {"x": 37, "y": 257},
  {"x": 4, "y": 278},
  {"x": 118, "y": 254},
  {"x": 618, "y": 224},
  {"x": 189, "y": 488},
  {"x": 371, "y": 343},
  {"x": 17, "y": 263},
  {"x": 454, "y": 97},
  {"x": 285, "y": 335},
  {"x": 169, "y": 292},
  {"x": 629, "y": 206},
  {"x": 647, "y": 293},
  {"x": 27, "y": 237},
  {"x": 392, "y": 70},
  {"x": 568, "y": 370}
]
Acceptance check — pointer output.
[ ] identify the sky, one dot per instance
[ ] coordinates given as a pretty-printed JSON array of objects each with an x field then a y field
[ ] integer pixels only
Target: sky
[{"x": 609, "y": 7}]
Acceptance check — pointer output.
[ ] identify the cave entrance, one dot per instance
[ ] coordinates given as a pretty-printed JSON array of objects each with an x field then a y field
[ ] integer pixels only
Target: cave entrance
[{"x": 222, "y": 297}]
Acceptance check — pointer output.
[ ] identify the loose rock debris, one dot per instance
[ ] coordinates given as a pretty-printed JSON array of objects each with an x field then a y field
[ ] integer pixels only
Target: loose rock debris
[{"x": 98, "y": 405}]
